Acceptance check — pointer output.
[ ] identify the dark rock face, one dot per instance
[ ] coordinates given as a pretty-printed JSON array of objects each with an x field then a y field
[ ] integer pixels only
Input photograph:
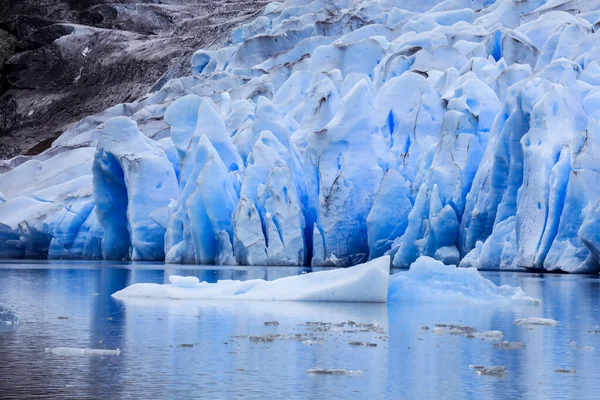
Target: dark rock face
[{"x": 63, "y": 60}]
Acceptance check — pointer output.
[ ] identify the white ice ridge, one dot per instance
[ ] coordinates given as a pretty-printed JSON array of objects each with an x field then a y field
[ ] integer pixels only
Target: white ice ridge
[
  {"x": 431, "y": 281},
  {"x": 427, "y": 280},
  {"x": 362, "y": 283},
  {"x": 333, "y": 132}
]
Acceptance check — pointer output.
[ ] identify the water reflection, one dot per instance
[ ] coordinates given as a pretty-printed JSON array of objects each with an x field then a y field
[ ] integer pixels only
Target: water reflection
[{"x": 223, "y": 361}]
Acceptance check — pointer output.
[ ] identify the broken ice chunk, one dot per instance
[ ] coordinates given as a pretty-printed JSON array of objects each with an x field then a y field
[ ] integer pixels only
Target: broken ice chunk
[
  {"x": 363, "y": 344},
  {"x": 497, "y": 371},
  {"x": 73, "y": 351},
  {"x": 535, "y": 321},
  {"x": 493, "y": 335},
  {"x": 326, "y": 371},
  {"x": 509, "y": 345}
]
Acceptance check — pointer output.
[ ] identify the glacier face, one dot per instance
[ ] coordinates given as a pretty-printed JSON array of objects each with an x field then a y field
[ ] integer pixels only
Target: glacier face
[{"x": 330, "y": 133}]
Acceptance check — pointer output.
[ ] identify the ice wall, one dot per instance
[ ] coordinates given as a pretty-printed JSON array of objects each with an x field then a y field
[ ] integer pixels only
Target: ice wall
[{"x": 334, "y": 132}]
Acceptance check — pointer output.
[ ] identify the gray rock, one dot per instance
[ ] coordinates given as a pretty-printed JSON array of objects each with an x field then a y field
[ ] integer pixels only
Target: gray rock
[{"x": 67, "y": 59}]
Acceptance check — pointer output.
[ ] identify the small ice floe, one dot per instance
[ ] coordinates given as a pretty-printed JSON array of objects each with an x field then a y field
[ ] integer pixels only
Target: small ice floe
[
  {"x": 73, "y": 351},
  {"x": 489, "y": 335},
  {"x": 452, "y": 329},
  {"x": 8, "y": 316},
  {"x": 574, "y": 345},
  {"x": 489, "y": 371},
  {"x": 466, "y": 331},
  {"x": 535, "y": 321},
  {"x": 327, "y": 371},
  {"x": 310, "y": 342},
  {"x": 264, "y": 338},
  {"x": 565, "y": 371},
  {"x": 362, "y": 344},
  {"x": 510, "y": 345}
]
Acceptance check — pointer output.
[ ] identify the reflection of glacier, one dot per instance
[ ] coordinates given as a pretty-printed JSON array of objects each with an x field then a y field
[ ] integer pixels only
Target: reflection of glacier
[{"x": 333, "y": 132}]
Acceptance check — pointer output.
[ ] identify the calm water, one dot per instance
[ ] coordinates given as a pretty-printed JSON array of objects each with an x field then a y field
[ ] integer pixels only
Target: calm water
[{"x": 223, "y": 362}]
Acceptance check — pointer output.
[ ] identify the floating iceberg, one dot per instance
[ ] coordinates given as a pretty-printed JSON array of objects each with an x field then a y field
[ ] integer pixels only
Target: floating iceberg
[
  {"x": 362, "y": 283},
  {"x": 428, "y": 280},
  {"x": 332, "y": 133}
]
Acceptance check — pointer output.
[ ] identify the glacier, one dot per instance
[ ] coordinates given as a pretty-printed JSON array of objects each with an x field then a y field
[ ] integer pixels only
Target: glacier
[{"x": 331, "y": 133}]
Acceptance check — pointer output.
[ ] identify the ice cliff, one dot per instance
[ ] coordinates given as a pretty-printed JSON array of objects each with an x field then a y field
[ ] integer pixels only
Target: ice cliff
[{"x": 334, "y": 132}]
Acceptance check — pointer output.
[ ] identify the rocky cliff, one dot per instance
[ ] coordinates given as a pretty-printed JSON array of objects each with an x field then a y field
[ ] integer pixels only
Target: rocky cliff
[{"x": 63, "y": 60}]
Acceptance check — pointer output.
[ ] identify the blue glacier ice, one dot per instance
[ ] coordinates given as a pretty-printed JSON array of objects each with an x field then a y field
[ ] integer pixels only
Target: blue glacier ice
[{"x": 330, "y": 133}]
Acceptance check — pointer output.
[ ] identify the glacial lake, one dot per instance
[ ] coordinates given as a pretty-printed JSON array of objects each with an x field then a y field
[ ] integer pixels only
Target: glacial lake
[{"x": 224, "y": 349}]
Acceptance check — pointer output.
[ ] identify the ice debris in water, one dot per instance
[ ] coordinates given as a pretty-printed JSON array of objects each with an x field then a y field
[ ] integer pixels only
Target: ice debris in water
[
  {"x": 490, "y": 335},
  {"x": 8, "y": 316},
  {"x": 268, "y": 338},
  {"x": 453, "y": 329},
  {"x": 509, "y": 345},
  {"x": 574, "y": 345},
  {"x": 429, "y": 280},
  {"x": 536, "y": 321},
  {"x": 328, "y": 133},
  {"x": 327, "y": 371},
  {"x": 497, "y": 371},
  {"x": 362, "y": 283},
  {"x": 73, "y": 351},
  {"x": 310, "y": 342},
  {"x": 465, "y": 330},
  {"x": 362, "y": 344}
]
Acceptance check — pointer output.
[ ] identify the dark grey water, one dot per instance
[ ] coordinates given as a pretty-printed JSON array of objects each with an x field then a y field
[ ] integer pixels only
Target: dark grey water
[{"x": 69, "y": 305}]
